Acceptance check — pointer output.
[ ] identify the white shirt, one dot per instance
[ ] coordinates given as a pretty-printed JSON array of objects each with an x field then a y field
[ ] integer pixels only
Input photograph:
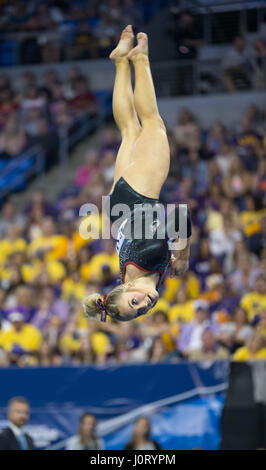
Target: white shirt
[
  {"x": 74, "y": 443},
  {"x": 235, "y": 58},
  {"x": 230, "y": 327},
  {"x": 196, "y": 337},
  {"x": 17, "y": 431},
  {"x": 224, "y": 162},
  {"x": 222, "y": 243}
]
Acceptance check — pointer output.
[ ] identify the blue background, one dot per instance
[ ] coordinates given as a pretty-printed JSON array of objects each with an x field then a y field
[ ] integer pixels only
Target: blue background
[{"x": 183, "y": 401}]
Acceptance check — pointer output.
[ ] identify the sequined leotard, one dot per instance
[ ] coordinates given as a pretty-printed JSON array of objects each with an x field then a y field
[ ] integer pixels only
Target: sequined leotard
[{"x": 139, "y": 244}]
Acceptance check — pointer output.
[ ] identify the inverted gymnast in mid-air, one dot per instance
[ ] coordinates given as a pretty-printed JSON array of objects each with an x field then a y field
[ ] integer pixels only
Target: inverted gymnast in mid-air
[{"x": 142, "y": 165}]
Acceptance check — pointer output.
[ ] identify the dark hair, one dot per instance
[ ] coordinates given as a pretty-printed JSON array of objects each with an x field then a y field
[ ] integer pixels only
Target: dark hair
[
  {"x": 237, "y": 309},
  {"x": 93, "y": 436},
  {"x": 133, "y": 441},
  {"x": 17, "y": 400},
  {"x": 156, "y": 339}
]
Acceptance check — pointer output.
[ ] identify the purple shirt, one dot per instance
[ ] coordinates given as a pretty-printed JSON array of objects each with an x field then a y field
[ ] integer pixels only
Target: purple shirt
[
  {"x": 28, "y": 312},
  {"x": 186, "y": 333},
  {"x": 59, "y": 308}
]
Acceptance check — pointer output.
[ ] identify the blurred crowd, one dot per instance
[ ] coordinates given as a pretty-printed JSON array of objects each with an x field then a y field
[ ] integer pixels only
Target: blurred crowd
[
  {"x": 34, "y": 111},
  {"x": 244, "y": 65},
  {"x": 50, "y": 31},
  {"x": 216, "y": 310},
  {"x": 241, "y": 66}
]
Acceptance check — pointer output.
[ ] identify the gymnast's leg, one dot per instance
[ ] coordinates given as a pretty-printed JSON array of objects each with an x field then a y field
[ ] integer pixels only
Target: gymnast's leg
[
  {"x": 150, "y": 159},
  {"x": 123, "y": 104}
]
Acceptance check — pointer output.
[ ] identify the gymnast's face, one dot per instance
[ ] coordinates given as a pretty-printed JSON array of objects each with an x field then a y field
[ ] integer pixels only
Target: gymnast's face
[{"x": 136, "y": 299}]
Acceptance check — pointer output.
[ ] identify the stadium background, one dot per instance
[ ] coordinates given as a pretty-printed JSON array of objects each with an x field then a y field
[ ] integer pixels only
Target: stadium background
[{"x": 57, "y": 151}]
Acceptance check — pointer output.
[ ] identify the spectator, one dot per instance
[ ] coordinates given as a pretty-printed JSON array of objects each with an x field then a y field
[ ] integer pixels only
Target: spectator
[
  {"x": 222, "y": 243},
  {"x": 190, "y": 337},
  {"x": 255, "y": 301},
  {"x": 183, "y": 309},
  {"x": 141, "y": 439},
  {"x": 85, "y": 173},
  {"x": 225, "y": 158},
  {"x": 14, "y": 437},
  {"x": 186, "y": 35},
  {"x": 32, "y": 101},
  {"x": 8, "y": 105},
  {"x": 21, "y": 341},
  {"x": 237, "y": 66},
  {"x": 49, "y": 243},
  {"x": 237, "y": 332},
  {"x": 84, "y": 100},
  {"x": 210, "y": 349},
  {"x": 254, "y": 350},
  {"x": 13, "y": 243},
  {"x": 108, "y": 166},
  {"x": 158, "y": 352},
  {"x": 187, "y": 131},
  {"x": 38, "y": 201},
  {"x": 12, "y": 139},
  {"x": 244, "y": 275},
  {"x": 186, "y": 41},
  {"x": 257, "y": 241},
  {"x": 237, "y": 182},
  {"x": 259, "y": 63},
  {"x": 10, "y": 217},
  {"x": 86, "y": 438},
  {"x": 85, "y": 43},
  {"x": 216, "y": 138},
  {"x": 261, "y": 325},
  {"x": 106, "y": 32},
  {"x": 46, "y": 137},
  {"x": 50, "y": 307}
]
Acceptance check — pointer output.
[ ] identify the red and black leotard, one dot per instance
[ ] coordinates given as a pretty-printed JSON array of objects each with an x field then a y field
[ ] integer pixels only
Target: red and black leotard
[{"x": 140, "y": 245}]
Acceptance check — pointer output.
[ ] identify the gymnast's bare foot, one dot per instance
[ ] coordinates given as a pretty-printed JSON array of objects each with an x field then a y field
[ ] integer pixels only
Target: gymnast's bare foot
[
  {"x": 141, "y": 50},
  {"x": 124, "y": 46}
]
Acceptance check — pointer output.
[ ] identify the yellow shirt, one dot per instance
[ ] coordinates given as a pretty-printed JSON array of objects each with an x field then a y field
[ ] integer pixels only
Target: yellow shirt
[
  {"x": 185, "y": 312},
  {"x": 8, "y": 247},
  {"x": 251, "y": 222},
  {"x": 173, "y": 284},
  {"x": 168, "y": 338},
  {"x": 262, "y": 330},
  {"x": 55, "y": 269},
  {"x": 253, "y": 303},
  {"x": 85, "y": 271},
  {"x": 243, "y": 354},
  {"x": 73, "y": 289},
  {"x": 69, "y": 343},
  {"x": 82, "y": 321},
  {"x": 100, "y": 342},
  {"x": 214, "y": 220},
  {"x": 29, "y": 338},
  {"x": 56, "y": 243},
  {"x": 75, "y": 244},
  {"x": 98, "y": 261},
  {"x": 199, "y": 355}
]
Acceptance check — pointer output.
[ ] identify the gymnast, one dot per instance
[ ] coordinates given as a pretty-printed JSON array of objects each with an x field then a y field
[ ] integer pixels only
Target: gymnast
[{"x": 142, "y": 165}]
